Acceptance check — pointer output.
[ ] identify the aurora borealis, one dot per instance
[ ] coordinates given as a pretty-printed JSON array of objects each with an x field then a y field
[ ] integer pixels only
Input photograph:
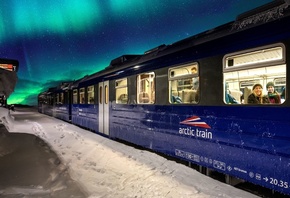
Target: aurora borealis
[{"x": 59, "y": 40}]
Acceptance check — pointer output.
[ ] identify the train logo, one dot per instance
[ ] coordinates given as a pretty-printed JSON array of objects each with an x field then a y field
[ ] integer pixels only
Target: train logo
[{"x": 195, "y": 121}]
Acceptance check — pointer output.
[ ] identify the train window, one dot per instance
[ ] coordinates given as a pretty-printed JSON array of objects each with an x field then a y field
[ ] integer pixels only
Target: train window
[
  {"x": 101, "y": 95},
  {"x": 260, "y": 56},
  {"x": 57, "y": 99},
  {"x": 66, "y": 97},
  {"x": 61, "y": 99},
  {"x": 50, "y": 99},
  {"x": 91, "y": 94},
  {"x": 75, "y": 96},
  {"x": 106, "y": 94},
  {"x": 82, "y": 95},
  {"x": 263, "y": 66},
  {"x": 146, "y": 88},
  {"x": 184, "y": 84},
  {"x": 121, "y": 91}
]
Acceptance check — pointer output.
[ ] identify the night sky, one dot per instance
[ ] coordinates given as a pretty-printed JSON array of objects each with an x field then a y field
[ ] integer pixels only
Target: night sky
[{"x": 59, "y": 40}]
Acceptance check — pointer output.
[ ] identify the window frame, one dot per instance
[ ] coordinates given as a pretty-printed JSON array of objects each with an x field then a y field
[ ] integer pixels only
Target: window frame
[
  {"x": 121, "y": 91},
  {"x": 90, "y": 94},
  {"x": 146, "y": 94},
  {"x": 82, "y": 94},
  {"x": 265, "y": 63},
  {"x": 186, "y": 85},
  {"x": 75, "y": 96}
]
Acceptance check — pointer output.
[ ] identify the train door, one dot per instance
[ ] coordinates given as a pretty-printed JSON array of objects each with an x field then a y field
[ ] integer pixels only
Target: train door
[{"x": 104, "y": 107}]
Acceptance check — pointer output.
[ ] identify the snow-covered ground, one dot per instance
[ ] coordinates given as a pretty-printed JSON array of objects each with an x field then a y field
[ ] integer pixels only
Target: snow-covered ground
[{"x": 105, "y": 168}]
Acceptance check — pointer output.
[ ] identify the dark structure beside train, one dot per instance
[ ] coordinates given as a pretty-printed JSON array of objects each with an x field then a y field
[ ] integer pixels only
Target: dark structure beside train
[{"x": 8, "y": 79}]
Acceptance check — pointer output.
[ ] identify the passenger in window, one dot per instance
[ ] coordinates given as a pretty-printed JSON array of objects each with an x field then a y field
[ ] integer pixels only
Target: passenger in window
[
  {"x": 228, "y": 97},
  {"x": 283, "y": 93},
  {"x": 91, "y": 100},
  {"x": 273, "y": 95},
  {"x": 257, "y": 97},
  {"x": 193, "y": 70},
  {"x": 176, "y": 99},
  {"x": 195, "y": 80}
]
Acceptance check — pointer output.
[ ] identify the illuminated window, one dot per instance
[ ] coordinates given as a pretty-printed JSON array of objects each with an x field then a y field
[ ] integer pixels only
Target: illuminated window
[
  {"x": 121, "y": 91},
  {"x": 260, "y": 56},
  {"x": 184, "y": 84},
  {"x": 245, "y": 70},
  {"x": 9, "y": 67},
  {"x": 82, "y": 95},
  {"x": 91, "y": 94},
  {"x": 106, "y": 94},
  {"x": 146, "y": 88},
  {"x": 75, "y": 96}
]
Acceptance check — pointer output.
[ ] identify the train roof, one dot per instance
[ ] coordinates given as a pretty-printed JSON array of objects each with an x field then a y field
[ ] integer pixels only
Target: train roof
[
  {"x": 276, "y": 4},
  {"x": 65, "y": 85},
  {"x": 75, "y": 83},
  {"x": 261, "y": 15}
]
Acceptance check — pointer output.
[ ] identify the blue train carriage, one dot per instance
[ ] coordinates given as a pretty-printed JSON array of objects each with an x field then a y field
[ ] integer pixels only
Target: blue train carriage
[
  {"x": 190, "y": 99},
  {"x": 84, "y": 106},
  {"x": 46, "y": 101},
  {"x": 62, "y": 101},
  {"x": 90, "y": 97}
]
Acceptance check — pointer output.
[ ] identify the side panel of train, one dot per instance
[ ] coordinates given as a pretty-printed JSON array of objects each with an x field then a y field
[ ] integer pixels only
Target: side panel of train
[
  {"x": 45, "y": 103},
  {"x": 165, "y": 112},
  {"x": 62, "y": 105},
  {"x": 84, "y": 106},
  {"x": 56, "y": 102}
]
